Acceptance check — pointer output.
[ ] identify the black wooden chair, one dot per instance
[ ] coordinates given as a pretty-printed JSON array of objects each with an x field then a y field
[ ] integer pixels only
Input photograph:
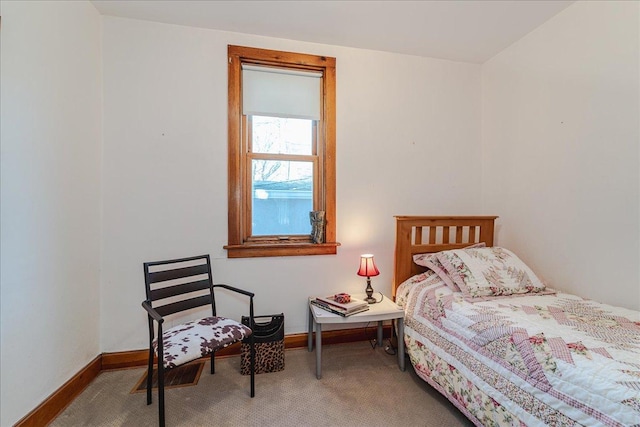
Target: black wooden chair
[{"x": 182, "y": 284}]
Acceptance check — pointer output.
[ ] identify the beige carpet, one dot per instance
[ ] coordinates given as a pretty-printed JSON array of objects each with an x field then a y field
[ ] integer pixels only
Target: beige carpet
[{"x": 360, "y": 387}]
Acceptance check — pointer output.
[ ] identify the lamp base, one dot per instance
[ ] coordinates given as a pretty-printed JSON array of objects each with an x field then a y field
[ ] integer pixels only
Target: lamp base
[{"x": 369, "y": 291}]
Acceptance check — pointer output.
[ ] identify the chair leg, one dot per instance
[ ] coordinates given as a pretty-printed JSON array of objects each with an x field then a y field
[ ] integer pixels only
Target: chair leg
[
  {"x": 253, "y": 366},
  {"x": 213, "y": 362},
  {"x": 149, "y": 375},
  {"x": 161, "y": 393},
  {"x": 160, "y": 377}
]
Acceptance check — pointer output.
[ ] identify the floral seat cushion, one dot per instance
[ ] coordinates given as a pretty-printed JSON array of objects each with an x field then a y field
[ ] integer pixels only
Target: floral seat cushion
[{"x": 192, "y": 340}]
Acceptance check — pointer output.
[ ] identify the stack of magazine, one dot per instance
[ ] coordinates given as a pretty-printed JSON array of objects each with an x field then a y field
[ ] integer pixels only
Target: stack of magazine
[{"x": 343, "y": 309}]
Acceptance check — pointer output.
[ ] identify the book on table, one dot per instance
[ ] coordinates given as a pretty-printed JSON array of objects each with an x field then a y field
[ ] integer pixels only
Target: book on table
[
  {"x": 336, "y": 310},
  {"x": 344, "y": 309}
]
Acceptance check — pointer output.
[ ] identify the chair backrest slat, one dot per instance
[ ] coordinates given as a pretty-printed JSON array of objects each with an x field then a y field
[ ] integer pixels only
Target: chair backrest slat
[
  {"x": 178, "y": 273},
  {"x": 186, "y": 304},
  {"x": 177, "y": 285},
  {"x": 171, "y": 291}
]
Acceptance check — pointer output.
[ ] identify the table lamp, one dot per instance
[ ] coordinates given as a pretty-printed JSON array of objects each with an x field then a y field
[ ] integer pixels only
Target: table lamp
[{"x": 367, "y": 269}]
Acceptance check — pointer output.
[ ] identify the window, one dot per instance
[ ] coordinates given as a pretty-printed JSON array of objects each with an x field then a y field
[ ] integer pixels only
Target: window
[{"x": 281, "y": 152}]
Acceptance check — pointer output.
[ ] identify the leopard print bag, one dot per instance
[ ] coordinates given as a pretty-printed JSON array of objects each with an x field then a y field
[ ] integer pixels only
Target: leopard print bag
[{"x": 269, "y": 342}]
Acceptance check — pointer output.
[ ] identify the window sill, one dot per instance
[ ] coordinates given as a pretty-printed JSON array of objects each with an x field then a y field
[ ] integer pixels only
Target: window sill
[{"x": 281, "y": 249}]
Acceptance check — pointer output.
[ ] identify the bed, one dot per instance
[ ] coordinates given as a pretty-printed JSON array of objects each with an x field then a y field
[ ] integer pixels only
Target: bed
[{"x": 483, "y": 330}]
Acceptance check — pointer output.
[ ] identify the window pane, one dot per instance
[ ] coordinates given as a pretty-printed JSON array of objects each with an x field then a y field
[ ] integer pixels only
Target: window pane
[
  {"x": 282, "y": 196},
  {"x": 276, "y": 135}
]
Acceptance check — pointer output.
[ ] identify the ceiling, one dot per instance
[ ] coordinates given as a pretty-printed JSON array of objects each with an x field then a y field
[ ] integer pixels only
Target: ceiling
[{"x": 458, "y": 30}]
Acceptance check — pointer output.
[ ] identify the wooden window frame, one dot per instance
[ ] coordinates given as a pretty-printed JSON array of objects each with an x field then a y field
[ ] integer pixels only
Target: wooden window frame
[{"x": 240, "y": 243}]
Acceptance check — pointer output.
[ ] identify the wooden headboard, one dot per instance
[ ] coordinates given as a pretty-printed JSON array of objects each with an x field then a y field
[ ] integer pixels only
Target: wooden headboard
[{"x": 427, "y": 234}]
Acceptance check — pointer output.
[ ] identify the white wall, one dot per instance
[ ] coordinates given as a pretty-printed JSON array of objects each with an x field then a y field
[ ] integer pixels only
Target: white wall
[
  {"x": 561, "y": 142},
  {"x": 560, "y": 165},
  {"x": 401, "y": 121},
  {"x": 50, "y": 200}
]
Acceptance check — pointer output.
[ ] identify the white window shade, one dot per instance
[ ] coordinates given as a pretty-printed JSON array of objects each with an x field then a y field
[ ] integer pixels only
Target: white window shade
[{"x": 280, "y": 92}]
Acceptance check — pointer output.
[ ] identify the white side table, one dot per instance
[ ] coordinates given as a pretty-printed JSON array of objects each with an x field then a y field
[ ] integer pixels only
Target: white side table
[{"x": 384, "y": 310}]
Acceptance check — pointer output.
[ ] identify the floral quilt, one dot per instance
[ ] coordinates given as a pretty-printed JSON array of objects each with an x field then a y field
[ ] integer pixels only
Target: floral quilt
[{"x": 531, "y": 360}]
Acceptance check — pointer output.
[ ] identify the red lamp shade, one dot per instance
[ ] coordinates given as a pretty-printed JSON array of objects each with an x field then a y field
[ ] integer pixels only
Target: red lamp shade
[{"x": 367, "y": 266}]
